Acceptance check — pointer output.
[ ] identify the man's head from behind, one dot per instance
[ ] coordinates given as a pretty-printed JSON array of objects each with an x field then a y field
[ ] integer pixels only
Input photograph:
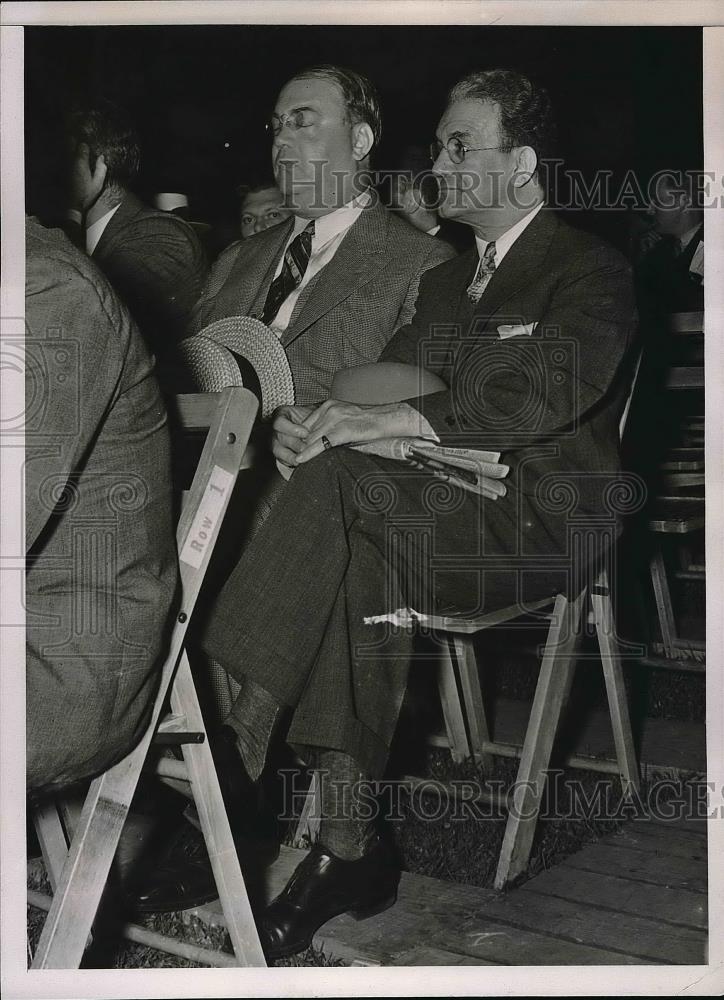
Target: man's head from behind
[
  {"x": 326, "y": 122},
  {"x": 261, "y": 207},
  {"x": 105, "y": 154},
  {"x": 493, "y": 138}
]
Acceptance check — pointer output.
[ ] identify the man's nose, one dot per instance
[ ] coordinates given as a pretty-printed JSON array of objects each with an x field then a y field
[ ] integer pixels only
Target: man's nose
[
  {"x": 285, "y": 130},
  {"x": 442, "y": 163}
]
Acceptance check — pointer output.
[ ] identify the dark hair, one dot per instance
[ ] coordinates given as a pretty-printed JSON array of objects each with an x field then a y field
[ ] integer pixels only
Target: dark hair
[
  {"x": 360, "y": 94},
  {"x": 255, "y": 185},
  {"x": 107, "y": 131},
  {"x": 526, "y": 115}
]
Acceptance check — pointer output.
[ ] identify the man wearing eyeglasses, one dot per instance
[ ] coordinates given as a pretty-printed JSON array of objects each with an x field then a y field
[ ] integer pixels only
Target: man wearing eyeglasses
[
  {"x": 528, "y": 332},
  {"x": 337, "y": 279}
]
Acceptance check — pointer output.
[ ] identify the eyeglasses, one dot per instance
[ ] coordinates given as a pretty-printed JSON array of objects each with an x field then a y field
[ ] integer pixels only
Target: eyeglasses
[
  {"x": 456, "y": 149},
  {"x": 295, "y": 120}
]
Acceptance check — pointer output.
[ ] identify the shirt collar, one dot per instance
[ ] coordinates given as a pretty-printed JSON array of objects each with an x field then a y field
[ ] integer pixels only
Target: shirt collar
[
  {"x": 506, "y": 241},
  {"x": 94, "y": 232},
  {"x": 326, "y": 227},
  {"x": 686, "y": 238}
]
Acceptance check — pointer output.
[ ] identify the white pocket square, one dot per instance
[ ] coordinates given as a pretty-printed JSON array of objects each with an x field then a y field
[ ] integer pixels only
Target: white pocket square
[{"x": 516, "y": 330}]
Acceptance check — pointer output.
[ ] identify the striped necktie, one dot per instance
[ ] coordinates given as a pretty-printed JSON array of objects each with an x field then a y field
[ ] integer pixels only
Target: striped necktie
[
  {"x": 484, "y": 273},
  {"x": 296, "y": 259}
]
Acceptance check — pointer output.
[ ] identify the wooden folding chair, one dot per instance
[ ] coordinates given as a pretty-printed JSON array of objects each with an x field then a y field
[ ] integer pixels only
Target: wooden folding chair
[
  {"x": 677, "y": 517},
  {"x": 468, "y": 734},
  {"x": 78, "y": 875}
]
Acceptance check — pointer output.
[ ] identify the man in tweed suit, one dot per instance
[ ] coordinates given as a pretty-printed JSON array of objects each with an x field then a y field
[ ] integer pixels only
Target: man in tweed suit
[
  {"x": 528, "y": 330},
  {"x": 100, "y": 545},
  {"x": 361, "y": 279}
]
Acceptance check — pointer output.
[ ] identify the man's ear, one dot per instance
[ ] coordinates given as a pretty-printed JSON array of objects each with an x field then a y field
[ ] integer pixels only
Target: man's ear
[
  {"x": 525, "y": 165},
  {"x": 362, "y": 140},
  {"x": 98, "y": 175}
]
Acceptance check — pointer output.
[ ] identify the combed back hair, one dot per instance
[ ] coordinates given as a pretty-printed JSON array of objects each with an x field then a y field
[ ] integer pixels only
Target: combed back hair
[
  {"x": 108, "y": 131},
  {"x": 526, "y": 115},
  {"x": 360, "y": 94}
]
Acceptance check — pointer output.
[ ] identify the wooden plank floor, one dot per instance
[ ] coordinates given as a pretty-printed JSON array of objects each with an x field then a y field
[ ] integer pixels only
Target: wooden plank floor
[{"x": 635, "y": 897}]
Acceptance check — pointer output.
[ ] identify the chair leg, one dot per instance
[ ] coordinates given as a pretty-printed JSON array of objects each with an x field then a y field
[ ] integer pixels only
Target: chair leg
[
  {"x": 215, "y": 825},
  {"x": 473, "y": 707},
  {"x": 84, "y": 874},
  {"x": 664, "y": 607},
  {"x": 554, "y": 681},
  {"x": 52, "y": 840},
  {"x": 615, "y": 687},
  {"x": 307, "y": 830},
  {"x": 452, "y": 708}
]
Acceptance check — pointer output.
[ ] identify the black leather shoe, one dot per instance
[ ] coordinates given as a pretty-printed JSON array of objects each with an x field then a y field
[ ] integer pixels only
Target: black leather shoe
[
  {"x": 182, "y": 877},
  {"x": 179, "y": 879},
  {"x": 322, "y": 887}
]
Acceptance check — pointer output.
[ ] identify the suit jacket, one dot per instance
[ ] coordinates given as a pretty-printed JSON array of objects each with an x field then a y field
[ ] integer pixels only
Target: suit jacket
[
  {"x": 548, "y": 397},
  {"x": 664, "y": 280},
  {"x": 155, "y": 262},
  {"x": 349, "y": 309},
  {"x": 102, "y": 565}
]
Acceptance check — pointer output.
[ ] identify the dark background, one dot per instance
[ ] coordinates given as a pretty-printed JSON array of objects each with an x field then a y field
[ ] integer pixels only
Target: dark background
[{"x": 626, "y": 98}]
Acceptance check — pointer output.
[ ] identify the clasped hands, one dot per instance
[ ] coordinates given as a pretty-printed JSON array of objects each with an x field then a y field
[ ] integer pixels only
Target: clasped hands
[{"x": 300, "y": 431}]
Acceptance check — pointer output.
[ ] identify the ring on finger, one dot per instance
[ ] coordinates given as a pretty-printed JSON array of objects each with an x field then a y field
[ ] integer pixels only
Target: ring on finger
[{"x": 326, "y": 442}]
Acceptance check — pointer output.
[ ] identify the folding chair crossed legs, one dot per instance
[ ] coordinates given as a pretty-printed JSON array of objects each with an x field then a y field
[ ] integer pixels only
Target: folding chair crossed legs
[{"x": 79, "y": 884}]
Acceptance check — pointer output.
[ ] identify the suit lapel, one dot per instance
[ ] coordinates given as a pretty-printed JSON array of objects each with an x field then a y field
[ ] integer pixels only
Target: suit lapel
[
  {"x": 255, "y": 270},
  {"x": 521, "y": 264},
  {"x": 358, "y": 258}
]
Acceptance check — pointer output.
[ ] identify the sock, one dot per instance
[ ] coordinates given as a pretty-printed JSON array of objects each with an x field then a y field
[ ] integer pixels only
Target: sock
[
  {"x": 344, "y": 830},
  {"x": 254, "y": 717}
]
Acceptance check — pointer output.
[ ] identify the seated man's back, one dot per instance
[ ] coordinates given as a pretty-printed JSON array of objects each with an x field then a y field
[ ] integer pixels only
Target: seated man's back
[
  {"x": 102, "y": 566},
  {"x": 155, "y": 262}
]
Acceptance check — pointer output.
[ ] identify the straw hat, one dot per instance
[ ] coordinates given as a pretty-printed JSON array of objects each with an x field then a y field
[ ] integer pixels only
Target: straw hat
[{"x": 239, "y": 350}]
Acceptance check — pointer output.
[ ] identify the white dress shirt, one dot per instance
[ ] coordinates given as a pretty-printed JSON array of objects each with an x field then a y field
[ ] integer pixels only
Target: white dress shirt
[
  {"x": 506, "y": 241},
  {"x": 94, "y": 232},
  {"x": 329, "y": 231}
]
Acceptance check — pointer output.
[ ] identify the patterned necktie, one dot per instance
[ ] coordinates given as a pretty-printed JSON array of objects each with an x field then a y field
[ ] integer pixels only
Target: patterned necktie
[
  {"x": 296, "y": 258},
  {"x": 484, "y": 273}
]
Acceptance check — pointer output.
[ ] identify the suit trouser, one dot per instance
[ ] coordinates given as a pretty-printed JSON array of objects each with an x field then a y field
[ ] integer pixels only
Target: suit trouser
[{"x": 354, "y": 536}]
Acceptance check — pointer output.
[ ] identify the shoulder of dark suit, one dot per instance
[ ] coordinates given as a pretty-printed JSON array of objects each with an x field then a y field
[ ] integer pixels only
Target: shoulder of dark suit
[
  {"x": 581, "y": 243},
  {"x": 134, "y": 212}
]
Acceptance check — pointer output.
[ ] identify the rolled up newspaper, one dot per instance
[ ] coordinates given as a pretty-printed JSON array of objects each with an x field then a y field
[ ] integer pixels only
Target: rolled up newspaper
[{"x": 479, "y": 472}]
